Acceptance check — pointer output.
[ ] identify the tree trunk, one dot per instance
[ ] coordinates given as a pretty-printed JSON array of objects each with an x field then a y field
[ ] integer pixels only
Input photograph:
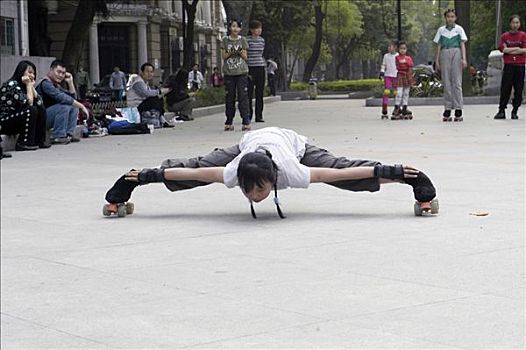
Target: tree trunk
[
  {"x": 78, "y": 32},
  {"x": 283, "y": 68},
  {"x": 239, "y": 9},
  {"x": 39, "y": 41},
  {"x": 462, "y": 8},
  {"x": 316, "y": 47},
  {"x": 188, "y": 53}
]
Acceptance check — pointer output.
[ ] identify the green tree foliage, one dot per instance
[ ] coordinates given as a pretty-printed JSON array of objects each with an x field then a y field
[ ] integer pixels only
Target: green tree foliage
[{"x": 343, "y": 25}]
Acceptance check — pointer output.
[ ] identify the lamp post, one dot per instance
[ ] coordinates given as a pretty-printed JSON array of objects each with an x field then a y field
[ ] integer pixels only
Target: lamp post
[
  {"x": 498, "y": 25},
  {"x": 399, "y": 15}
]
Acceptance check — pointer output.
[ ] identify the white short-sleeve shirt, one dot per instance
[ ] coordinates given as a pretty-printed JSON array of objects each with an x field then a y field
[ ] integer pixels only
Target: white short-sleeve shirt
[{"x": 287, "y": 148}]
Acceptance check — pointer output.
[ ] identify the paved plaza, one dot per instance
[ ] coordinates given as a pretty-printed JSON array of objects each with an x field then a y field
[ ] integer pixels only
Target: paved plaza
[{"x": 344, "y": 270}]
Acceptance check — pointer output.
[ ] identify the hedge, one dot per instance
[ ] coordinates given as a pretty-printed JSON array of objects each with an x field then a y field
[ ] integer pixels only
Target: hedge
[
  {"x": 209, "y": 96},
  {"x": 341, "y": 85}
]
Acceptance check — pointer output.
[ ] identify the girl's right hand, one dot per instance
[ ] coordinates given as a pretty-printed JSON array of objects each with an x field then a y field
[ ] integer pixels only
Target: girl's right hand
[
  {"x": 437, "y": 66},
  {"x": 26, "y": 79}
]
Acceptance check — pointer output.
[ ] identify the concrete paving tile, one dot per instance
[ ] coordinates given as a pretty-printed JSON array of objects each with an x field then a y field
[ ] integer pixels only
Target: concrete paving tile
[
  {"x": 68, "y": 298},
  {"x": 21, "y": 334},
  {"x": 482, "y": 322},
  {"x": 195, "y": 320},
  {"x": 326, "y": 335}
]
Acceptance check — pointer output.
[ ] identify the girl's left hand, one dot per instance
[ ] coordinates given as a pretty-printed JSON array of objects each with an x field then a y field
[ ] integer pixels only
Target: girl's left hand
[
  {"x": 464, "y": 63},
  {"x": 132, "y": 175}
]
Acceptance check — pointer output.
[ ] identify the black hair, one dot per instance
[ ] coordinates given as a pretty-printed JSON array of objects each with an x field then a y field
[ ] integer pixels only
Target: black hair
[
  {"x": 400, "y": 43},
  {"x": 255, "y": 24},
  {"x": 393, "y": 42},
  {"x": 215, "y": 68},
  {"x": 512, "y": 17},
  {"x": 232, "y": 20},
  {"x": 20, "y": 70},
  {"x": 147, "y": 64},
  {"x": 57, "y": 63},
  {"x": 254, "y": 169},
  {"x": 449, "y": 11}
]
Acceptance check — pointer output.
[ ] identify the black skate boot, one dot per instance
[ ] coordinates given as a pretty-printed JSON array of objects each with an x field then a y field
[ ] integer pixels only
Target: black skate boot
[
  {"x": 500, "y": 114},
  {"x": 118, "y": 196},
  {"x": 406, "y": 113},
  {"x": 396, "y": 113},
  {"x": 446, "y": 116},
  {"x": 424, "y": 193},
  {"x": 514, "y": 113},
  {"x": 458, "y": 115}
]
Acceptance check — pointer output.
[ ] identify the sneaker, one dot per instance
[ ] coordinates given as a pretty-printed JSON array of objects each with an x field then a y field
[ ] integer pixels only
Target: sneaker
[
  {"x": 23, "y": 147},
  {"x": 60, "y": 141},
  {"x": 500, "y": 114},
  {"x": 166, "y": 125},
  {"x": 260, "y": 120},
  {"x": 44, "y": 145},
  {"x": 73, "y": 138},
  {"x": 183, "y": 118}
]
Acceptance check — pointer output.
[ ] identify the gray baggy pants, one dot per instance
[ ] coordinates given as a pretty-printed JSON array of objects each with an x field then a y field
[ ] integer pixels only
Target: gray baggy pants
[
  {"x": 183, "y": 107},
  {"x": 314, "y": 157},
  {"x": 451, "y": 71}
]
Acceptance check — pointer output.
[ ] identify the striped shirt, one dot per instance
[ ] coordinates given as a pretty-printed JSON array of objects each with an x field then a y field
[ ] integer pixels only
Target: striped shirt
[{"x": 256, "y": 46}]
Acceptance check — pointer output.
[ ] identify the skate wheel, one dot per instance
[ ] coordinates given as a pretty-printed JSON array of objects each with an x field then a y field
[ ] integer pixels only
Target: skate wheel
[
  {"x": 121, "y": 211},
  {"x": 417, "y": 209},
  {"x": 434, "y": 206},
  {"x": 105, "y": 210},
  {"x": 130, "y": 207}
]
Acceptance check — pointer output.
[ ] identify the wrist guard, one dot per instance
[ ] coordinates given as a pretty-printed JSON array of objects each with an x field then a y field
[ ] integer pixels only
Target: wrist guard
[
  {"x": 392, "y": 172},
  {"x": 147, "y": 176}
]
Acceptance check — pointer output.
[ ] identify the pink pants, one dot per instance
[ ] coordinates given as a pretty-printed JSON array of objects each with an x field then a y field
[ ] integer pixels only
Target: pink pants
[{"x": 388, "y": 85}]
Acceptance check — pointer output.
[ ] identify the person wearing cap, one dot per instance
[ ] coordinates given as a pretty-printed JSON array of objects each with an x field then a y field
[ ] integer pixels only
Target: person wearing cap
[{"x": 268, "y": 160}]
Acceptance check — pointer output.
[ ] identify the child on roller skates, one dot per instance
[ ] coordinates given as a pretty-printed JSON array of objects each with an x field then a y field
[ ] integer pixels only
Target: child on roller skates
[
  {"x": 450, "y": 60},
  {"x": 513, "y": 45},
  {"x": 388, "y": 73},
  {"x": 265, "y": 161},
  {"x": 404, "y": 81}
]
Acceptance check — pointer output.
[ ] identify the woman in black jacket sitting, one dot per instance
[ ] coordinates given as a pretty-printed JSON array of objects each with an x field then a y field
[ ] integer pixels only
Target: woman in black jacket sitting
[{"x": 21, "y": 109}]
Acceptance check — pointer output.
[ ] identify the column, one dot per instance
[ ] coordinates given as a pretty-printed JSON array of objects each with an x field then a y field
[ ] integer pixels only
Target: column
[
  {"x": 94, "y": 53},
  {"x": 142, "y": 46}
]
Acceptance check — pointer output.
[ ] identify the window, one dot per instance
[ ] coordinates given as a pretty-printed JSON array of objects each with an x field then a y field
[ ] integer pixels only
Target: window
[{"x": 7, "y": 35}]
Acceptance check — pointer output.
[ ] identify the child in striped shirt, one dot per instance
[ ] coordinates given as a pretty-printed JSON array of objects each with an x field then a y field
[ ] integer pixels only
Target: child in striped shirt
[{"x": 256, "y": 69}]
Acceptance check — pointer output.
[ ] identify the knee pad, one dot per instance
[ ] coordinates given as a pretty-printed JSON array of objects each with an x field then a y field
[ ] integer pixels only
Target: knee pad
[
  {"x": 387, "y": 92},
  {"x": 395, "y": 93},
  {"x": 423, "y": 189}
]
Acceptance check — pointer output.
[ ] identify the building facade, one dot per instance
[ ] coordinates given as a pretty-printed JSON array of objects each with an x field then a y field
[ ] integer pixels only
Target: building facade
[
  {"x": 138, "y": 31},
  {"x": 14, "y": 39}
]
